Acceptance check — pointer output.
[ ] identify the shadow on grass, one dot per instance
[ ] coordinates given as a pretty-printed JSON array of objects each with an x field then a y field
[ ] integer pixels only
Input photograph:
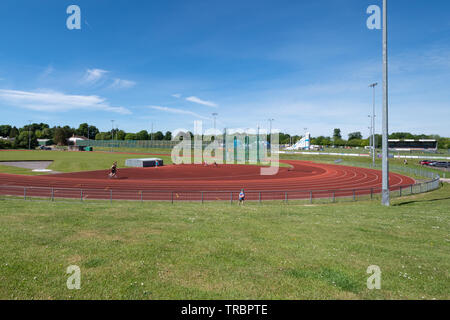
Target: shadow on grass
[{"x": 421, "y": 201}]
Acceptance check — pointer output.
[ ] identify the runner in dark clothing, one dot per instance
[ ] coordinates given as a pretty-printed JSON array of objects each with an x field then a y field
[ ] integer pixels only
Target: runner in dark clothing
[{"x": 113, "y": 172}]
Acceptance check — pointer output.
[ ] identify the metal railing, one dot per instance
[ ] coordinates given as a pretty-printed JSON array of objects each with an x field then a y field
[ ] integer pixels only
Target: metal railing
[{"x": 307, "y": 196}]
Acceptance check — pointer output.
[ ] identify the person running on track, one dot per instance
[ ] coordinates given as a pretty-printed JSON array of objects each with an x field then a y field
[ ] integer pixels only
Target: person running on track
[
  {"x": 113, "y": 173},
  {"x": 241, "y": 197}
]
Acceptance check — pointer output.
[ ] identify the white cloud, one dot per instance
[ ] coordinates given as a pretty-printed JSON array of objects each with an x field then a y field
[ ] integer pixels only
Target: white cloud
[
  {"x": 176, "y": 95},
  {"x": 202, "y": 102},
  {"x": 49, "y": 70},
  {"x": 122, "y": 84},
  {"x": 178, "y": 111},
  {"x": 51, "y": 101},
  {"x": 93, "y": 75}
]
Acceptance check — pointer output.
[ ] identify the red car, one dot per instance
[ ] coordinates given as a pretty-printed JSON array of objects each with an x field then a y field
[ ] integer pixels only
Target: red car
[{"x": 426, "y": 162}]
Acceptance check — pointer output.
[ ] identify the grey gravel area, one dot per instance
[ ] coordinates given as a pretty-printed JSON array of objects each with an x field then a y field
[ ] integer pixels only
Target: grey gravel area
[{"x": 27, "y": 164}]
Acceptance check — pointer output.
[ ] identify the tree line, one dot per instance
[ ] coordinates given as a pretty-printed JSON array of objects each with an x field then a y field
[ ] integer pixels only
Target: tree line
[
  {"x": 355, "y": 139},
  {"x": 26, "y": 136}
]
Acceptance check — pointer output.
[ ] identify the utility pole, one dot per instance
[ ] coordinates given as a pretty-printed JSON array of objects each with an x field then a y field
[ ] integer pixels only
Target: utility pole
[
  {"x": 112, "y": 134},
  {"x": 385, "y": 198},
  {"x": 270, "y": 133},
  {"x": 257, "y": 145},
  {"x": 373, "y": 85},
  {"x": 215, "y": 114},
  {"x": 29, "y": 135},
  {"x": 151, "y": 133}
]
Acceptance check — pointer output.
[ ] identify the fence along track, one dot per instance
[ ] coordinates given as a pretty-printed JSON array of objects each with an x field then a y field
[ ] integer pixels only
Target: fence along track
[{"x": 311, "y": 196}]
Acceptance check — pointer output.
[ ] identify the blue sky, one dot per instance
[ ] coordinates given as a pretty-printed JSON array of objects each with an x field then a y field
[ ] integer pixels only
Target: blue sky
[{"x": 303, "y": 63}]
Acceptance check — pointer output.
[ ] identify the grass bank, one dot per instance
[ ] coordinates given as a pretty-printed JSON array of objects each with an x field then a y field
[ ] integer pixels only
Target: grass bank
[{"x": 157, "y": 250}]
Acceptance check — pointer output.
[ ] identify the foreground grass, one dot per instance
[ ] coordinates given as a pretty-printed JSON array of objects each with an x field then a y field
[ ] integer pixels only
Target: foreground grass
[{"x": 130, "y": 250}]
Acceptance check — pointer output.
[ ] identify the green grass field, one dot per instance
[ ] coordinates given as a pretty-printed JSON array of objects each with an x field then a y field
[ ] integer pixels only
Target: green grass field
[
  {"x": 191, "y": 251},
  {"x": 156, "y": 250},
  {"x": 65, "y": 161}
]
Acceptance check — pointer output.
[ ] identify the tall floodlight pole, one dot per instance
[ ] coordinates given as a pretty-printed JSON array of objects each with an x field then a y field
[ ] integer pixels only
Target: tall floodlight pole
[
  {"x": 29, "y": 135},
  {"x": 270, "y": 132},
  {"x": 385, "y": 199},
  {"x": 270, "y": 125},
  {"x": 257, "y": 145},
  {"x": 112, "y": 134},
  {"x": 151, "y": 133},
  {"x": 373, "y": 85},
  {"x": 215, "y": 114}
]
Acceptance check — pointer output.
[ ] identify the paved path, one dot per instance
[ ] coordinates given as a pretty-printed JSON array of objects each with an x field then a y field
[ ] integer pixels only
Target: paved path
[{"x": 27, "y": 164}]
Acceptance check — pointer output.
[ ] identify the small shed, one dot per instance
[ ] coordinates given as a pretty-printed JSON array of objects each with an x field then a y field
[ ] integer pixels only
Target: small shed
[{"x": 144, "y": 162}]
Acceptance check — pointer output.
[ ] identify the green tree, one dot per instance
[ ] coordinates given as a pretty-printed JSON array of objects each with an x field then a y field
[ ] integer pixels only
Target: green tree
[
  {"x": 103, "y": 136},
  {"x": 130, "y": 136},
  {"x": 24, "y": 140},
  {"x": 295, "y": 139},
  {"x": 68, "y": 131},
  {"x": 401, "y": 135},
  {"x": 5, "y": 130},
  {"x": 82, "y": 130},
  {"x": 354, "y": 135},
  {"x": 158, "y": 135},
  {"x": 321, "y": 141},
  {"x": 60, "y": 137},
  {"x": 443, "y": 143},
  {"x": 339, "y": 142},
  {"x": 168, "y": 136},
  {"x": 5, "y": 144},
  {"x": 337, "y": 134},
  {"x": 142, "y": 135},
  {"x": 120, "y": 135},
  {"x": 14, "y": 132},
  {"x": 46, "y": 133}
]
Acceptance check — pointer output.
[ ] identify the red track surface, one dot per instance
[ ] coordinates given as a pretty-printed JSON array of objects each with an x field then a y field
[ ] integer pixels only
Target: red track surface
[{"x": 196, "y": 182}]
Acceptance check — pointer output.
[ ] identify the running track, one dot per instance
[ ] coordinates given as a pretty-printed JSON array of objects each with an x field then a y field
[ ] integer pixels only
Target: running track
[{"x": 301, "y": 180}]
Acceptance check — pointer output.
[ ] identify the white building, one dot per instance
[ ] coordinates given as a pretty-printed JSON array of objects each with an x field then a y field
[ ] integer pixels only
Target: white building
[{"x": 74, "y": 139}]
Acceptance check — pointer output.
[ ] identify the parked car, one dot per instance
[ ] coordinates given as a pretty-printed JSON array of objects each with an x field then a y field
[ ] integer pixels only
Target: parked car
[
  {"x": 441, "y": 164},
  {"x": 45, "y": 148},
  {"x": 426, "y": 162}
]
